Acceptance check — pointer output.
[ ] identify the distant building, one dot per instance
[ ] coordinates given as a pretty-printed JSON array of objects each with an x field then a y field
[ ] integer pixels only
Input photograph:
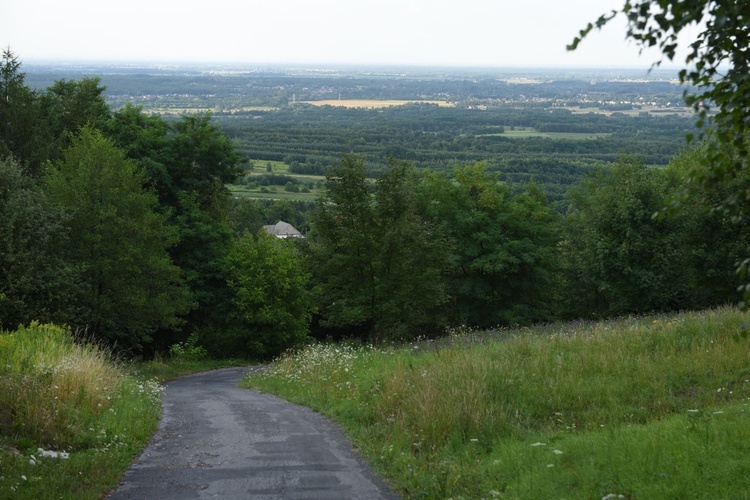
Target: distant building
[{"x": 283, "y": 230}]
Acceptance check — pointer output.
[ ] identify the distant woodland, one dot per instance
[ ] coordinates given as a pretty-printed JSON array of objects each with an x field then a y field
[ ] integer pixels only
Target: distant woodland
[{"x": 513, "y": 203}]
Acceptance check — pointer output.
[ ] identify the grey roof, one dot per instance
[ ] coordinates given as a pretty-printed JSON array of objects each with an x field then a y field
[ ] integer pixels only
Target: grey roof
[{"x": 283, "y": 230}]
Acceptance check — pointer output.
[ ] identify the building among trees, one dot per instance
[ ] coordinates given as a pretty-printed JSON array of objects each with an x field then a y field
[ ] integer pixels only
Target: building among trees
[{"x": 283, "y": 230}]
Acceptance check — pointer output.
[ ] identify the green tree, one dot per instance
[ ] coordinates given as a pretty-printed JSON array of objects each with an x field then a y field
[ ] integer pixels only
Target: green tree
[
  {"x": 717, "y": 66},
  {"x": 272, "y": 303},
  {"x": 69, "y": 105},
  {"x": 200, "y": 251},
  {"x": 375, "y": 263},
  {"x": 710, "y": 238},
  {"x": 35, "y": 279},
  {"x": 201, "y": 159},
  {"x": 408, "y": 287},
  {"x": 23, "y": 132},
  {"x": 144, "y": 139},
  {"x": 129, "y": 286},
  {"x": 501, "y": 248},
  {"x": 619, "y": 259},
  {"x": 245, "y": 216},
  {"x": 187, "y": 163}
]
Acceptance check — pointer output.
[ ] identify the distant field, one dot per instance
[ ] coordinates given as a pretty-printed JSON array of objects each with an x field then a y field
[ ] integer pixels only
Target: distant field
[
  {"x": 529, "y": 132},
  {"x": 280, "y": 195},
  {"x": 371, "y": 103},
  {"x": 272, "y": 194},
  {"x": 681, "y": 111},
  {"x": 299, "y": 177},
  {"x": 261, "y": 166}
]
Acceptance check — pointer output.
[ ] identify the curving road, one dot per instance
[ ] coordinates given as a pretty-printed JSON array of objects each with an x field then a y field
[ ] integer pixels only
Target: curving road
[{"x": 216, "y": 440}]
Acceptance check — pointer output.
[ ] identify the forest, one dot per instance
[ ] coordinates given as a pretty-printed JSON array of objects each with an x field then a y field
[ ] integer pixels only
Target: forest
[{"x": 119, "y": 223}]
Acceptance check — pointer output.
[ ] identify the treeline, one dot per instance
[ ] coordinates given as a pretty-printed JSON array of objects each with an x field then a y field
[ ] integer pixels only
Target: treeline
[
  {"x": 119, "y": 225},
  {"x": 233, "y": 88},
  {"x": 115, "y": 224},
  {"x": 423, "y": 252},
  {"x": 439, "y": 139}
]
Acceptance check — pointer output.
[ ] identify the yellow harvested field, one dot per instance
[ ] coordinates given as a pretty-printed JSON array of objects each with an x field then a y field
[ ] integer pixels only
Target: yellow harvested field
[{"x": 371, "y": 103}]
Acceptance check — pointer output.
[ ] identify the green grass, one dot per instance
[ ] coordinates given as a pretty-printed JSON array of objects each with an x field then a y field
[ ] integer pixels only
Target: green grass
[
  {"x": 163, "y": 371},
  {"x": 260, "y": 166},
  {"x": 274, "y": 193},
  {"x": 63, "y": 396},
  {"x": 640, "y": 407}
]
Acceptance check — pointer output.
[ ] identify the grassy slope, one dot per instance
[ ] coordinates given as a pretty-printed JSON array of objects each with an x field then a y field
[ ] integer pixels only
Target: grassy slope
[
  {"x": 640, "y": 407},
  {"x": 60, "y": 396}
]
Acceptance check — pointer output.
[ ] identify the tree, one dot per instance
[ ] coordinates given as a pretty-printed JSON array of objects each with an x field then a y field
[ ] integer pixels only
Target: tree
[
  {"x": 272, "y": 304},
  {"x": 129, "y": 287},
  {"x": 500, "y": 248},
  {"x": 717, "y": 66},
  {"x": 22, "y": 130},
  {"x": 143, "y": 138},
  {"x": 411, "y": 257},
  {"x": 201, "y": 159},
  {"x": 35, "y": 279},
  {"x": 375, "y": 263},
  {"x": 69, "y": 105},
  {"x": 187, "y": 164},
  {"x": 618, "y": 258}
]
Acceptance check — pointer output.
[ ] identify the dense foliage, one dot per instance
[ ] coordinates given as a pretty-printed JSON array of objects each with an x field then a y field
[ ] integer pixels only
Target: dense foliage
[
  {"x": 122, "y": 226},
  {"x": 310, "y": 139},
  {"x": 716, "y": 65},
  {"x": 128, "y": 285}
]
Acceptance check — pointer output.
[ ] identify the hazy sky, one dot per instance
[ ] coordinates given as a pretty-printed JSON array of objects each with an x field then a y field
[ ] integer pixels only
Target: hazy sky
[{"x": 501, "y": 33}]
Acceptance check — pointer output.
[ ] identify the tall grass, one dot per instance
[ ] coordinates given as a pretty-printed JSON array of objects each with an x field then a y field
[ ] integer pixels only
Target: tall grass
[
  {"x": 50, "y": 387},
  {"x": 636, "y": 407},
  {"x": 72, "y": 398}
]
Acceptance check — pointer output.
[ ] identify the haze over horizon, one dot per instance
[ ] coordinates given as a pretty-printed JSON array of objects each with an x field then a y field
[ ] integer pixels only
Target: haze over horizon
[{"x": 440, "y": 33}]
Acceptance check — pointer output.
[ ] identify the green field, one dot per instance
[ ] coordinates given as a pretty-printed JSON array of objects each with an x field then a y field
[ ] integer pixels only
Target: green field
[
  {"x": 639, "y": 407},
  {"x": 274, "y": 193},
  {"x": 261, "y": 166},
  {"x": 523, "y": 133}
]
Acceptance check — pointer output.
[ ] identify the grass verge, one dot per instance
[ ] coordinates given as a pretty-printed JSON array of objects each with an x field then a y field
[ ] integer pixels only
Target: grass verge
[
  {"x": 634, "y": 408},
  {"x": 72, "y": 418}
]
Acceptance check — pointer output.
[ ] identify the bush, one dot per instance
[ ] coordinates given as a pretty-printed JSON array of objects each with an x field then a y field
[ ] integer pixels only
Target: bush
[{"x": 188, "y": 350}]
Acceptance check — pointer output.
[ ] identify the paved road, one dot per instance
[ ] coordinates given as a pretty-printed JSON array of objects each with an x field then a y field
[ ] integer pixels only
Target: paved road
[{"x": 216, "y": 440}]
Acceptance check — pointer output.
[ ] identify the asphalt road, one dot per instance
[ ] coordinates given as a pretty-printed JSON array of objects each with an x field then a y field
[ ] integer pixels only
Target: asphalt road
[{"x": 216, "y": 440}]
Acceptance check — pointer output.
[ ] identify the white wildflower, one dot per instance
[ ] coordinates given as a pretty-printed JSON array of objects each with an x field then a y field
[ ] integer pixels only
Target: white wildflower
[
  {"x": 558, "y": 452},
  {"x": 539, "y": 444}
]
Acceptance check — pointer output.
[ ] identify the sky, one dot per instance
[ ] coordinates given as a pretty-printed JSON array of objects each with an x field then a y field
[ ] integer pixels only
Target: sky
[{"x": 486, "y": 33}]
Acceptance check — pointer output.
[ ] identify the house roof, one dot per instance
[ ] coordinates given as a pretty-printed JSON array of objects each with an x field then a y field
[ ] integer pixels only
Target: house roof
[{"x": 283, "y": 230}]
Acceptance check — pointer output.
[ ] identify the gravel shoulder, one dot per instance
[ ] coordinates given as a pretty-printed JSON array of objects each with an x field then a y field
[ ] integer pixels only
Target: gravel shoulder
[{"x": 216, "y": 440}]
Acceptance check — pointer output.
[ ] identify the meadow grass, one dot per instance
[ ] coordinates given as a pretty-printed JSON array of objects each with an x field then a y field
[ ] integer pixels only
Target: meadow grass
[
  {"x": 276, "y": 194},
  {"x": 649, "y": 407},
  {"x": 70, "y": 400}
]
